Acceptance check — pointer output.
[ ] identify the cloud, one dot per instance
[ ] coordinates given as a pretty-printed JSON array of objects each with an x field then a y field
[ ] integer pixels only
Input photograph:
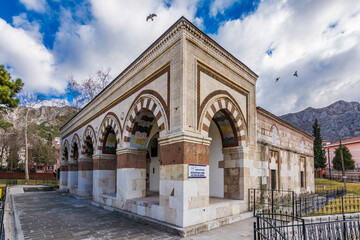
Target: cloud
[
  {"x": 29, "y": 59},
  {"x": 219, "y": 6},
  {"x": 318, "y": 39},
  {"x": 116, "y": 34},
  {"x": 36, "y": 5}
]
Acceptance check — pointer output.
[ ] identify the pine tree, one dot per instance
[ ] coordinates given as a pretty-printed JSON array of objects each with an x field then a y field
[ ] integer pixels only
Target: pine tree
[
  {"x": 319, "y": 152},
  {"x": 348, "y": 161}
]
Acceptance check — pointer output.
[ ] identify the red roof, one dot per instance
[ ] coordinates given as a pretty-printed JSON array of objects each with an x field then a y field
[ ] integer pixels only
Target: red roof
[{"x": 355, "y": 139}]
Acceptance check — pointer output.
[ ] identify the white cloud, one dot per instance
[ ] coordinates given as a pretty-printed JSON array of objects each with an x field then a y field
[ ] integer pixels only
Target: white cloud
[
  {"x": 117, "y": 34},
  {"x": 300, "y": 37},
  {"x": 319, "y": 39},
  {"x": 219, "y": 6},
  {"x": 36, "y": 5},
  {"x": 28, "y": 58}
]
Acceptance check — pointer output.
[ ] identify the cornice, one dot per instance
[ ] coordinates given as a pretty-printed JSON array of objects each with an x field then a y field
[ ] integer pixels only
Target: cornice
[{"x": 180, "y": 27}]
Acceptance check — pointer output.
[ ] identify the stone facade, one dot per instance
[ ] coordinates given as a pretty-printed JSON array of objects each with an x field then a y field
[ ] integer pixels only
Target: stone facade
[{"x": 185, "y": 102}]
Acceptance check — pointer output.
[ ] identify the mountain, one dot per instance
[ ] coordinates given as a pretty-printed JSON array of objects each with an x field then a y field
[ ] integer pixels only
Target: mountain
[
  {"x": 338, "y": 121},
  {"x": 42, "y": 120}
]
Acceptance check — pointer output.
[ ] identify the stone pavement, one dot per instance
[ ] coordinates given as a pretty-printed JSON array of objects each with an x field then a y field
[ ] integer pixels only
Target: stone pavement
[{"x": 55, "y": 215}]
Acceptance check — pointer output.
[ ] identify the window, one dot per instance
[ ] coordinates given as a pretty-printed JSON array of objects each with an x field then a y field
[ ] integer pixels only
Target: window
[
  {"x": 302, "y": 179},
  {"x": 274, "y": 136},
  {"x": 273, "y": 179},
  {"x": 50, "y": 168}
]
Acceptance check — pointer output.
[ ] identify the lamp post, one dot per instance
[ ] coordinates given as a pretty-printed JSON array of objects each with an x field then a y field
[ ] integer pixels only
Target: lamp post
[{"x": 343, "y": 166}]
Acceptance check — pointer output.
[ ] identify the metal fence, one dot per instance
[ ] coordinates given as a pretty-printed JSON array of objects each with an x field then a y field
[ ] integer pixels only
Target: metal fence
[
  {"x": 325, "y": 201},
  {"x": 284, "y": 226},
  {"x": 3, "y": 198},
  {"x": 271, "y": 200}
]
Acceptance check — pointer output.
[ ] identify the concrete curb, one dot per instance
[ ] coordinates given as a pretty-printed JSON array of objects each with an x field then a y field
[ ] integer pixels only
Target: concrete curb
[
  {"x": 19, "y": 235},
  {"x": 175, "y": 230}
]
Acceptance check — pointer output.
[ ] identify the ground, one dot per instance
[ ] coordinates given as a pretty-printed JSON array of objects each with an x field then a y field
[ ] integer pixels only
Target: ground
[
  {"x": 352, "y": 188},
  {"x": 54, "y": 215}
]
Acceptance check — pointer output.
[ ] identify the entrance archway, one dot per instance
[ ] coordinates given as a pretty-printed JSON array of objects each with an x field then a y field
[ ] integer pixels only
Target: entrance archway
[{"x": 223, "y": 121}]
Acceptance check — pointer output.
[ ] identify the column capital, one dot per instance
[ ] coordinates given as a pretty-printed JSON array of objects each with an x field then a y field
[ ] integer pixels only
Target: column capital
[{"x": 189, "y": 137}]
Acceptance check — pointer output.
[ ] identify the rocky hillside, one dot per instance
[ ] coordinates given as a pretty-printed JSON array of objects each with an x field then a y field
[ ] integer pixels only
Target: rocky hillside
[
  {"x": 340, "y": 120},
  {"x": 42, "y": 120}
]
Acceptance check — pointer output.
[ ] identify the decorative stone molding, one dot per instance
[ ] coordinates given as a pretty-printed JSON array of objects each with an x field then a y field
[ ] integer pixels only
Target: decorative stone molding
[
  {"x": 146, "y": 102},
  {"x": 223, "y": 103},
  {"x": 89, "y": 131},
  {"x": 109, "y": 120}
]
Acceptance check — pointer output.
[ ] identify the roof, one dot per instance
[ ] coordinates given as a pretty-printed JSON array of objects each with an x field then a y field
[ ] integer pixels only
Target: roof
[
  {"x": 344, "y": 142},
  {"x": 284, "y": 122},
  {"x": 178, "y": 22}
]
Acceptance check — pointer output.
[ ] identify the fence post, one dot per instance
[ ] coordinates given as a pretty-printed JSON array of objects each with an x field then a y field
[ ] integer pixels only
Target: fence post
[
  {"x": 272, "y": 202},
  {"x": 254, "y": 230},
  {"x": 304, "y": 229},
  {"x": 254, "y": 203},
  {"x": 344, "y": 226},
  {"x": 293, "y": 203},
  {"x": 342, "y": 204}
]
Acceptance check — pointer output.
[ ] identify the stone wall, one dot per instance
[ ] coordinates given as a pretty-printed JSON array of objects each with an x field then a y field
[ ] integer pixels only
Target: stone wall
[{"x": 287, "y": 150}]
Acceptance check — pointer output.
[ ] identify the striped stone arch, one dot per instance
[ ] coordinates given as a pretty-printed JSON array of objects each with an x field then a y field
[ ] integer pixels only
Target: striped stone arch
[
  {"x": 109, "y": 120},
  {"x": 65, "y": 145},
  {"x": 144, "y": 104},
  {"x": 74, "y": 140},
  {"x": 89, "y": 131},
  {"x": 224, "y": 107}
]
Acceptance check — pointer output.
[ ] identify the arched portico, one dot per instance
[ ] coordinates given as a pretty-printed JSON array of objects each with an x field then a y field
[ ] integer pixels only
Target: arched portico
[
  {"x": 224, "y": 123},
  {"x": 73, "y": 164},
  {"x": 86, "y": 162},
  {"x": 138, "y": 161},
  {"x": 64, "y": 166},
  {"x": 104, "y": 158}
]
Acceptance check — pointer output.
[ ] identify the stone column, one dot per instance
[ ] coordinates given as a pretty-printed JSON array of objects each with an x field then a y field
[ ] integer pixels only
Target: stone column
[
  {"x": 72, "y": 176},
  {"x": 234, "y": 172},
  {"x": 183, "y": 198},
  {"x": 85, "y": 180},
  {"x": 131, "y": 174},
  {"x": 64, "y": 177},
  {"x": 104, "y": 177}
]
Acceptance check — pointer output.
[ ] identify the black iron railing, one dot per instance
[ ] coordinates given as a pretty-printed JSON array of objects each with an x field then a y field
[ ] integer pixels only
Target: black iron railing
[
  {"x": 275, "y": 201},
  {"x": 3, "y": 198},
  {"x": 272, "y": 200},
  {"x": 284, "y": 226}
]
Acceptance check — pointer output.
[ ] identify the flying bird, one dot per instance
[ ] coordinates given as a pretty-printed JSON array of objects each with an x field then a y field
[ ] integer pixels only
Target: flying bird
[
  {"x": 151, "y": 16},
  {"x": 295, "y": 74},
  {"x": 277, "y": 79}
]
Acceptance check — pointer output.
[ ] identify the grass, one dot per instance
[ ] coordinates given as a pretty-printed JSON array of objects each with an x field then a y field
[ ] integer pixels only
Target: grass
[
  {"x": 351, "y": 200},
  {"x": 351, "y": 188}
]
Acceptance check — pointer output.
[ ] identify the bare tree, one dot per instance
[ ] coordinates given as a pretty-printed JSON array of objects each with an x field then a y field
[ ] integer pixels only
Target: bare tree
[
  {"x": 29, "y": 100},
  {"x": 103, "y": 77},
  {"x": 85, "y": 91},
  {"x": 74, "y": 91}
]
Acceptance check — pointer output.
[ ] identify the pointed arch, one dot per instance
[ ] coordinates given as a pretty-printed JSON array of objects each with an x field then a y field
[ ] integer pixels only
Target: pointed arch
[
  {"x": 110, "y": 121},
  {"x": 150, "y": 109},
  {"x": 229, "y": 119},
  {"x": 89, "y": 132},
  {"x": 274, "y": 131},
  {"x": 75, "y": 147},
  {"x": 65, "y": 151}
]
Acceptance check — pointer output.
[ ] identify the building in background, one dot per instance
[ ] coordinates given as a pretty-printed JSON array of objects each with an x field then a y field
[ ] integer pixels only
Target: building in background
[{"x": 352, "y": 144}]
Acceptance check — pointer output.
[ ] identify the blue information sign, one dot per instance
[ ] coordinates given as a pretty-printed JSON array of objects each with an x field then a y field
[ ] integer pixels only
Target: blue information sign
[{"x": 197, "y": 171}]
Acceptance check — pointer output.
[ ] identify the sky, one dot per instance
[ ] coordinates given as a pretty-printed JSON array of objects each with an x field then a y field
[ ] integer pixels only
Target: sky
[{"x": 43, "y": 42}]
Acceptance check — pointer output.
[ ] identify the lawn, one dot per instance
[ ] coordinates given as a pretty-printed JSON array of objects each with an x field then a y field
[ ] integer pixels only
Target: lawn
[
  {"x": 352, "y": 188},
  {"x": 350, "y": 202}
]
